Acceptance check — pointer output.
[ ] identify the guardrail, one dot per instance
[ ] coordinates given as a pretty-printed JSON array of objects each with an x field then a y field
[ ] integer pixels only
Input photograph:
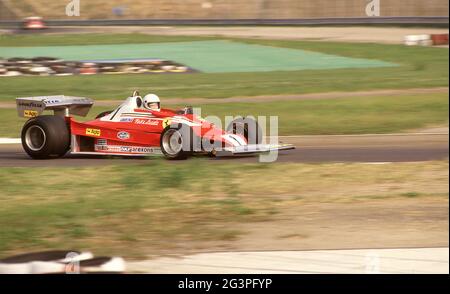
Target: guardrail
[{"x": 241, "y": 22}]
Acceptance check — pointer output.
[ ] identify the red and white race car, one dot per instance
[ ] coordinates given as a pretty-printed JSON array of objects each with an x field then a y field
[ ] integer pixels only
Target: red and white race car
[{"x": 131, "y": 129}]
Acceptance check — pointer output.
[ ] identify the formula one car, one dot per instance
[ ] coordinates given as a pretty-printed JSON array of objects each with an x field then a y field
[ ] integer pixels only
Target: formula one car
[{"x": 131, "y": 129}]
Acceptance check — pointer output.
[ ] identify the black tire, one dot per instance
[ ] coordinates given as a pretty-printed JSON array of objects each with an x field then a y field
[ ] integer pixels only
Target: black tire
[
  {"x": 184, "y": 146},
  {"x": 102, "y": 114},
  {"x": 46, "y": 136},
  {"x": 247, "y": 127}
]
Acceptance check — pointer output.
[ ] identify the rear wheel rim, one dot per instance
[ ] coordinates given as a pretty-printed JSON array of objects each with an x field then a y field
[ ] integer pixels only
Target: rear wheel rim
[
  {"x": 35, "y": 138},
  {"x": 172, "y": 142}
]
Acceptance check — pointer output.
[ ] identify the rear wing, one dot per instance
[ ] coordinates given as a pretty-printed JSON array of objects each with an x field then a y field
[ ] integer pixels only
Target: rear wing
[{"x": 61, "y": 105}]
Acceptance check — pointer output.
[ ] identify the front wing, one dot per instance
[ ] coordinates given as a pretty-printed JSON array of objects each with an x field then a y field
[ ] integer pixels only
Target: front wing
[{"x": 253, "y": 149}]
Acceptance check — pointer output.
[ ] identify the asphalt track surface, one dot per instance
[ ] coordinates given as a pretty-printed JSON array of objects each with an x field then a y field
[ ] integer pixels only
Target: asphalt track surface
[{"x": 309, "y": 149}]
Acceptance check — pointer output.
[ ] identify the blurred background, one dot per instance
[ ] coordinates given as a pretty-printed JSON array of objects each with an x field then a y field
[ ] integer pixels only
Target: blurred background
[
  {"x": 363, "y": 98},
  {"x": 219, "y": 9}
]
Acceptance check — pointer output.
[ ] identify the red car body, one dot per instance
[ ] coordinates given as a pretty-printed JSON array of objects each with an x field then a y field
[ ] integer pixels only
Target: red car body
[{"x": 138, "y": 133}]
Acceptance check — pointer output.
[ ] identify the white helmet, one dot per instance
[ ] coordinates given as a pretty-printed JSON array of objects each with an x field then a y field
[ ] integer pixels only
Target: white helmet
[{"x": 151, "y": 102}]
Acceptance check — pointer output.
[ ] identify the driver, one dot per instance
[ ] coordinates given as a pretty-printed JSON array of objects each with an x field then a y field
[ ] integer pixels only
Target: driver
[{"x": 152, "y": 102}]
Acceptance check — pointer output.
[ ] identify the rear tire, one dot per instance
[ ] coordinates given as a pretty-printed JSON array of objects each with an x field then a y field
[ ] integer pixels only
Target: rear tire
[
  {"x": 46, "y": 136},
  {"x": 247, "y": 127}
]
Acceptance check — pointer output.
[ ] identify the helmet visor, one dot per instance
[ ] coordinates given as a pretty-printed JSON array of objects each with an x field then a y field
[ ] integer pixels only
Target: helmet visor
[{"x": 152, "y": 105}]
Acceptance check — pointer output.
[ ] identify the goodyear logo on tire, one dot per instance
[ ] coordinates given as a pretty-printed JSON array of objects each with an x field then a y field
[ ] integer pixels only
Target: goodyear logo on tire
[
  {"x": 30, "y": 113},
  {"x": 93, "y": 132},
  {"x": 166, "y": 122}
]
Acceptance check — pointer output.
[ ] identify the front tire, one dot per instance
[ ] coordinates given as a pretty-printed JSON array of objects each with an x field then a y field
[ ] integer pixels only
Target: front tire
[
  {"x": 176, "y": 142},
  {"x": 45, "y": 136}
]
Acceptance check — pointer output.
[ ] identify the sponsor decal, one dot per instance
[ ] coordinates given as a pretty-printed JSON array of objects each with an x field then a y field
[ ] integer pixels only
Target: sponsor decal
[
  {"x": 102, "y": 148},
  {"x": 136, "y": 149},
  {"x": 136, "y": 114},
  {"x": 30, "y": 113},
  {"x": 80, "y": 100},
  {"x": 166, "y": 122},
  {"x": 93, "y": 132},
  {"x": 126, "y": 149},
  {"x": 102, "y": 142},
  {"x": 30, "y": 104},
  {"x": 52, "y": 101},
  {"x": 126, "y": 119},
  {"x": 143, "y": 121},
  {"x": 123, "y": 135}
]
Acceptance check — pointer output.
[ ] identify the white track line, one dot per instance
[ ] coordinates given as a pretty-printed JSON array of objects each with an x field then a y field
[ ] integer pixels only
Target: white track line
[
  {"x": 18, "y": 141},
  {"x": 10, "y": 141}
]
